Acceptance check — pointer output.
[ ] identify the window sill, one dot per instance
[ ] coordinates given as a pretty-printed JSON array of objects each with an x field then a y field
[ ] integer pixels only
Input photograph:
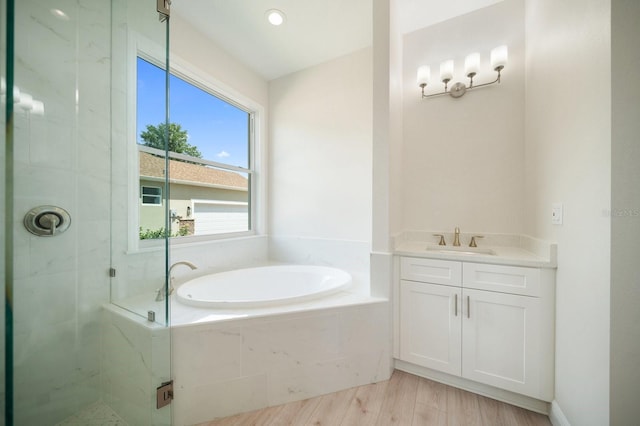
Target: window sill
[{"x": 155, "y": 245}]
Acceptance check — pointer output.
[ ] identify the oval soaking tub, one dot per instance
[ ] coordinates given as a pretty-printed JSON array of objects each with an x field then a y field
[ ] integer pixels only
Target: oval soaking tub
[{"x": 262, "y": 286}]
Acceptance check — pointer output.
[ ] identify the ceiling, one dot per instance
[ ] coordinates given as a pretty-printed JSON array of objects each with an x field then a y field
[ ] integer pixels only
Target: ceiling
[{"x": 314, "y": 31}]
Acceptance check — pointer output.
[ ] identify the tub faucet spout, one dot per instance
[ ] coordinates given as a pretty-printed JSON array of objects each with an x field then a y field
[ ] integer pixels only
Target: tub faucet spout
[{"x": 160, "y": 291}]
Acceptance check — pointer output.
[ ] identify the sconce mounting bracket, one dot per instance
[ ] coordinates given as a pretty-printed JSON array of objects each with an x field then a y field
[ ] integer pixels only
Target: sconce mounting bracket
[{"x": 457, "y": 90}]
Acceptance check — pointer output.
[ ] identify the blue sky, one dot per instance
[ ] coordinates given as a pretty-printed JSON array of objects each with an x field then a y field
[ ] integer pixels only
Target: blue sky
[{"x": 217, "y": 128}]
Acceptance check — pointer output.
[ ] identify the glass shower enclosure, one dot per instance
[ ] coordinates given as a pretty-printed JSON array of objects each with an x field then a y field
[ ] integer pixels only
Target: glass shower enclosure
[{"x": 69, "y": 195}]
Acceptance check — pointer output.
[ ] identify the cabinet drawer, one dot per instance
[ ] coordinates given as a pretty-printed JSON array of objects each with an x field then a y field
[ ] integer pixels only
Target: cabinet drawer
[
  {"x": 505, "y": 279},
  {"x": 431, "y": 271}
]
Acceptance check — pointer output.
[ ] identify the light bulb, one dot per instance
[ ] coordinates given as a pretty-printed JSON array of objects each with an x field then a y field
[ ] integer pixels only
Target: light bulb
[
  {"x": 446, "y": 70},
  {"x": 499, "y": 57},
  {"x": 424, "y": 75},
  {"x": 472, "y": 64},
  {"x": 275, "y": 17}
]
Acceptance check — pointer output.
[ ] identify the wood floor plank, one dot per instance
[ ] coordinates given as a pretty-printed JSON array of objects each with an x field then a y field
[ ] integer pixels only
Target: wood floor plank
[
  {"x": 266, "y": 416},
  {"x": 331, "y": 408},
  {"x": 404, "y": 400},
  {"x": 432, "y": 394},
  {"x": 238, "y": 419},
  {"x": 462, "y": 408},
  {"x": 296, "y": 413},
  {"x": 400, "y": 400},
  {"x": 424, "y": 415},
  {"x": 365, "y": 405},
  {"x": 495, "y": 413}
]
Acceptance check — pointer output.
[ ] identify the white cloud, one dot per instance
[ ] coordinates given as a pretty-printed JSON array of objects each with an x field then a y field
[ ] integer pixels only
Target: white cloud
[{"x": 223, "y": 154}]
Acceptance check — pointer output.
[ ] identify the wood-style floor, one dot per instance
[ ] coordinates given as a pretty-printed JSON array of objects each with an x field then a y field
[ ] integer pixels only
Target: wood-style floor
[{"x": 404, "y": 400}]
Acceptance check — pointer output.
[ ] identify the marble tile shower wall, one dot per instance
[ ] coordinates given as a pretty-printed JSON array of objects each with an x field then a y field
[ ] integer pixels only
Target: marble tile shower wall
[
  {"x": 242, "y": 365},
  {"x": 61, "y": 159}
]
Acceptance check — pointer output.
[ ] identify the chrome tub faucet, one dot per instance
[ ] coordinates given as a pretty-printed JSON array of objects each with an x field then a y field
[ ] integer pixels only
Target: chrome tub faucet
[{"x": 160, "y": 291}]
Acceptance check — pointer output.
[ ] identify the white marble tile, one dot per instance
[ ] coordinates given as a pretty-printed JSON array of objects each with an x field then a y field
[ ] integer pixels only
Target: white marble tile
[
  {"x": 365, "y": 327},
  {"x": 127, "y": 367},
  {"x": 282, "y": 344},
  {"x": 201, "y": 403},
  {"x": 295, "y": 355},
  {"x": 204, "y": 356},
  {"x": 94, "y": 202},
  {"x": 43, "y": 302},
  {"x": 54, "y": 374},
  {"x": 307, "y": 380},
  {"x": 352, "y": 256}
]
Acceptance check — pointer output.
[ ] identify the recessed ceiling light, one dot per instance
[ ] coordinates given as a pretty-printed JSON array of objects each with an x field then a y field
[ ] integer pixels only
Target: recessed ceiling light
[
  {"x": 275, "y": 17},
  {"x": 59, "y": 14}
]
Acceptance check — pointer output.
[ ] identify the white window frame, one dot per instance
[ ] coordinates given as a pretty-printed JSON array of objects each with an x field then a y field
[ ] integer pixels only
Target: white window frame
[
  {"x": 139, "y": 46},
  {"x": 142, "y": 195}
]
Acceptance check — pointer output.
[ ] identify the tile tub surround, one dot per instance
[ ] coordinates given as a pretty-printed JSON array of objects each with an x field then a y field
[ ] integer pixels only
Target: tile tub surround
[
  {"x": 227, "y": 362},
  {"x": 134, "y": 360},
  {"x": 510, "y": 249},
  {"x": 227, "y": 367}
]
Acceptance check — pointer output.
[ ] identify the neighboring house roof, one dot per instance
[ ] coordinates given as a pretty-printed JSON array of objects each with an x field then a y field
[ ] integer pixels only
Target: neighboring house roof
[{"x": 152, "y": 166}]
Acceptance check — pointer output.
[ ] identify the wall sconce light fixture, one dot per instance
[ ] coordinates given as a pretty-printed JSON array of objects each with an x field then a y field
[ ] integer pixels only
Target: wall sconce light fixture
[{"x": 499, "y": 57}]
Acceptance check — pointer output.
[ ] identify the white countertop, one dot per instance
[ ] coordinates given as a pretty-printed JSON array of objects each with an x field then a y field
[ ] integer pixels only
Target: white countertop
[{"x": 513, "y": 250}]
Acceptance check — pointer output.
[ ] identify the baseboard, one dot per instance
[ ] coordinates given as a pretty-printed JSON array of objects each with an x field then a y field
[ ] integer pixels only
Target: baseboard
[
  {"x": 556, "y": 415},
  {"x": 518, "y": 400}
]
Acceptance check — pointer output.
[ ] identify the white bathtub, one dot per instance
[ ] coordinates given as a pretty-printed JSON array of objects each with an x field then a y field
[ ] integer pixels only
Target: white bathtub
[{"x": 262, "y": 286}]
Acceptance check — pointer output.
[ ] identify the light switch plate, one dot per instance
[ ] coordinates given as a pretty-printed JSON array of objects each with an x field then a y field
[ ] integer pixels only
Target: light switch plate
[{"x": 556, "y": 214}]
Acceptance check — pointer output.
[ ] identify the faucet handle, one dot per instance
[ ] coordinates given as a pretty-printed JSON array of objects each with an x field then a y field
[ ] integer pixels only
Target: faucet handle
[
  {"x": 472, "y": 243},
  {"x": 441, "y": 242}
]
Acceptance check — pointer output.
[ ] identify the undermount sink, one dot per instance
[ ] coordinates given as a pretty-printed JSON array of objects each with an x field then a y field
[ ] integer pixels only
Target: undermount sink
[{"x": 460, "y": 250}]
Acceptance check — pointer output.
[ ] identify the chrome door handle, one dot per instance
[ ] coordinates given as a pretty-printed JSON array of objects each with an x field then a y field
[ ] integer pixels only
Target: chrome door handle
[{"x": 468, "y": 306}]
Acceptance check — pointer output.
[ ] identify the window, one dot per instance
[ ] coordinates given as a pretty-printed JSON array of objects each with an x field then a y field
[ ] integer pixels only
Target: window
[
  {"x": 210, "y": 148},
  {"x": 151, "y": 195}
]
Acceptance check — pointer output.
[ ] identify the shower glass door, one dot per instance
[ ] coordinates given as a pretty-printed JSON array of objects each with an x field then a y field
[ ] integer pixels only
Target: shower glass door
[{"x": 68, "y": 92}]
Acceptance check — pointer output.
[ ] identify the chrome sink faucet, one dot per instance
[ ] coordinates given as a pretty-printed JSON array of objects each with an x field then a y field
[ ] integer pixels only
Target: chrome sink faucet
[
  {"x": 456, "y": 237},
  {"x": 160, "y": 291}
]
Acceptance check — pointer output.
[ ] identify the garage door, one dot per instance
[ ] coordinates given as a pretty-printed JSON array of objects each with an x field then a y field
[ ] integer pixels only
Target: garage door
[{"x": 220, "y": 217}]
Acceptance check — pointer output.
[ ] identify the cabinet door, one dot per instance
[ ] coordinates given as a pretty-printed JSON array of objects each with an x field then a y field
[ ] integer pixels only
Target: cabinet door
[
  {"x": 430, "y": 325},
  {"x": 501, "y": 340}
]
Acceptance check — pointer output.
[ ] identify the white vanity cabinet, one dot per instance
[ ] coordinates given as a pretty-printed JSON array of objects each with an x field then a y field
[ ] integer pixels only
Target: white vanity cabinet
[{"x": 492, "y": 324}]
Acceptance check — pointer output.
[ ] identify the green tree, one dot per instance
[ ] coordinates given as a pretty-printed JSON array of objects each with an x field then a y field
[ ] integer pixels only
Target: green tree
[{"x": 154, "y": 137}]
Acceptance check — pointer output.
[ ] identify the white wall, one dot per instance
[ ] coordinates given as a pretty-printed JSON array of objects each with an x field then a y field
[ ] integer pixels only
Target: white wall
[
  {"x": 320, "y": 150},
  {"x": 192, "y": 46},
  {"x": 396, "y": 130},
  {"x": 568, "y": 160},
  {"x": 464, "y": 158},
  {"x": 625, "y": 218}
]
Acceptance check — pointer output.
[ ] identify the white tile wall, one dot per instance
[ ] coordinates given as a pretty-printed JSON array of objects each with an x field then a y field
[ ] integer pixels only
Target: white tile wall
[
  {"x": 352, "y": 256},
  {"x": 61, "y": 158},
  {"x": 134, "y": 361}
]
